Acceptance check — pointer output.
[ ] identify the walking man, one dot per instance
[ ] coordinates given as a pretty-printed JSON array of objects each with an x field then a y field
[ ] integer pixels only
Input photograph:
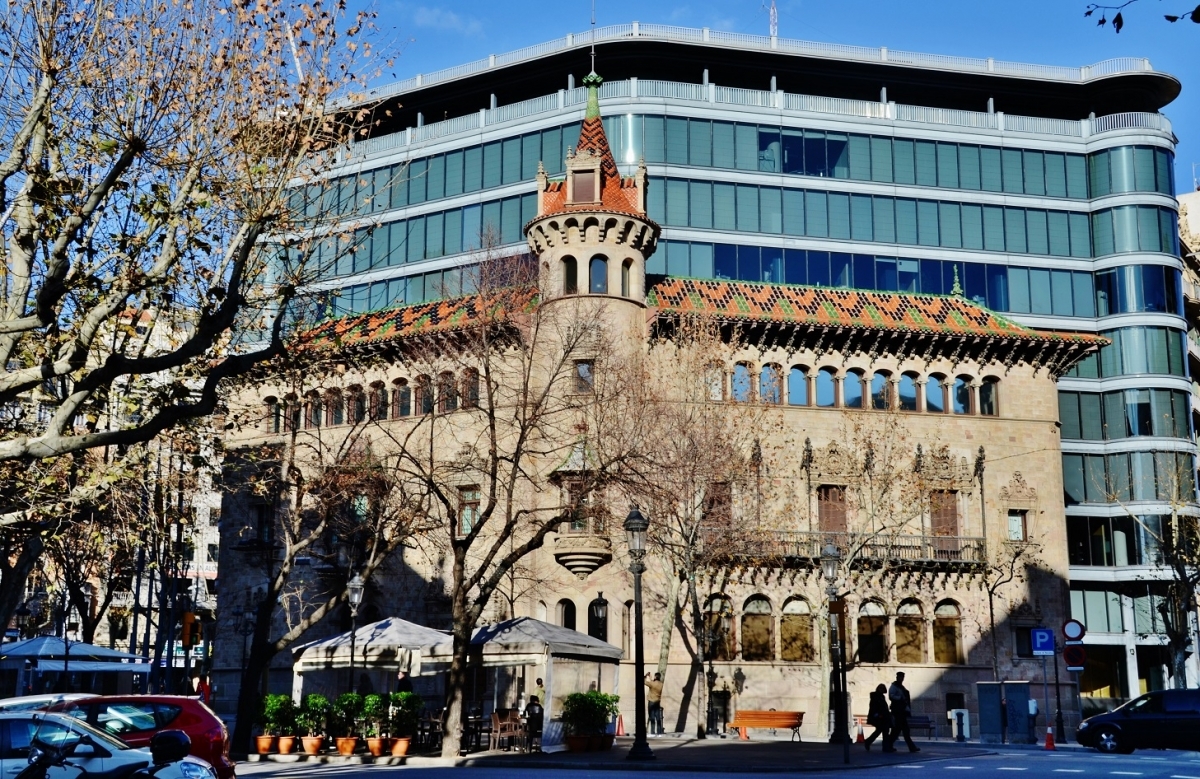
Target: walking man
[
  {"x": 654, "y": 688},
  {"x": 901, "y": 710}
]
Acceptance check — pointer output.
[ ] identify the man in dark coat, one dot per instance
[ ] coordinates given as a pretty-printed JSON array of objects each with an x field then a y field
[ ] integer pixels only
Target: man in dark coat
[{"x": 901, "y": 710}]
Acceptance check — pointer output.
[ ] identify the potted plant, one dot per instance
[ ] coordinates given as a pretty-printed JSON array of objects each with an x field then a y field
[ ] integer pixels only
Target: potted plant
[
  {"x": 347, "y": 711},
  {"x": 585, "y": 717},
  {"x": 310, "y": 722},
  {"x": 276, "y": 717},
  {"x": 406, "y": 713},
  {"x": 375, "y": 716}
]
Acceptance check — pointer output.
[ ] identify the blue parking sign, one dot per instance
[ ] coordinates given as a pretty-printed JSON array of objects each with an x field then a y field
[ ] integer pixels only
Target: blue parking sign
[{"x": 1042, "y": 640}]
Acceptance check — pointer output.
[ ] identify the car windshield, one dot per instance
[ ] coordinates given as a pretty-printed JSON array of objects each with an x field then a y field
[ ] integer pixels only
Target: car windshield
[
  {"x": 54, "y": 733},
  {"x": 1147, "y": 704}
]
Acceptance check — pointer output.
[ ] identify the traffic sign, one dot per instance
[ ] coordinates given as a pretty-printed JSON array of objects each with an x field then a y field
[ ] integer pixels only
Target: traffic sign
[
  {"x": 1073, "y": 630},
  {"x": 1042, "y": 640},
  {"x": 1075, "y": 656}
]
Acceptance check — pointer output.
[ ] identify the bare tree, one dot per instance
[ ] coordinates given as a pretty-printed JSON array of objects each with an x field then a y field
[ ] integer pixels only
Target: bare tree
[{"x": 149, "y": 151}]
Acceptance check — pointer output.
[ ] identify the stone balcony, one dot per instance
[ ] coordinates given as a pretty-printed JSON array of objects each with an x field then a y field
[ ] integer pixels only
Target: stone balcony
[
  {"x": 866, "y": 550},
  {"x": 582, "y": 547}
]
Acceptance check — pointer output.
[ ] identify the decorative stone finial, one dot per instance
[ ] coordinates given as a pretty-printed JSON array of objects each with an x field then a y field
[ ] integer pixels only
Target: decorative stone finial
[
  {"x": 593, "y": 81},
  {"x": 956, "y": 289}
]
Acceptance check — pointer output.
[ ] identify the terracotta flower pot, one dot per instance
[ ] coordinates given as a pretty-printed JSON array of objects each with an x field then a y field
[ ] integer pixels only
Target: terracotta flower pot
[
  {"x": 377, "y": 745},
  {"x": 400, "y": 746},
  {"x": 312, "y": 744},
  {"x": 287, "y": 745},
  {"x": 346, "y": 745},
  {"x": 265, "y": 744},
  {"x": 578, "y": 743}
]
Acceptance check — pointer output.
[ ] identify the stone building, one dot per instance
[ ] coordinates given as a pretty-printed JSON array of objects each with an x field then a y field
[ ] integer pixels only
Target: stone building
[{"x": 972, "y": 483}]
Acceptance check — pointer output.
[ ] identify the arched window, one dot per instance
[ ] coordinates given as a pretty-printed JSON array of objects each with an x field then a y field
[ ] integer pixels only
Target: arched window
[
  {"x": 872, "y": 633},
  {"x": 566, "y": 614},
  {"x": 570, "y": 276},
  {"x": 718, "y": 623},
  {"x": 358, "y": 406},
  {"x": 797, "y": 386},
  {"x": 424, "y": 395},
  {"x": 906, "y": 392},
  {"x": 470, "y": 388},
  {"x": 881, "y": 391},
  {"x": 741, "y": 383},
  {"x": 989, "y": 397},
  {"x": 962, "y": 395},
  {"x": 852, "y": 390},
  {"x": 335, "y": 409},
  {"x": 826, "y": 388},
  {"x": 274, "y": 415},
  {"x": 401, "y": 399},
  {"x": 312, "y": 411},
  {"x": 935, "y": 394},
  {"x": 379, "y": 401},
  {"x": 947, "y": 633},
  {"x": 626, "y": 273},
  {"x": 796, "y": 632},
  {"x": 770, "y": 384},
  {"x": 598, "y": 619},
  {"x": 598, "y": 276},
  {"x": 910, "y": 633},
  {"x": 540, "y": 611},
  {"x": 447, "y": 393},
  {"x": 714, "y": 381},
  {"x": 758, "y": 629}
]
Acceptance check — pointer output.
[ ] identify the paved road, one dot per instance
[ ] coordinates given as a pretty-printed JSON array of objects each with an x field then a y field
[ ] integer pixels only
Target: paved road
[{"x": 1006, "y": 764}]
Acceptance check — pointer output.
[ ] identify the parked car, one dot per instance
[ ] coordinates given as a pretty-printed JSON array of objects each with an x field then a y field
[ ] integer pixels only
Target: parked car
[
  {"x": 1168, "y": 719},
  {"x": 135, "y": 718},
  {"x": 109, "y": 757},
  {"x": 35, "y": 702}
]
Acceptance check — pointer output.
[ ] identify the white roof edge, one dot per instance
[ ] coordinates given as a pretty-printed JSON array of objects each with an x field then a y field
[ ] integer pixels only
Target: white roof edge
[{"x": 748, "y": 42}]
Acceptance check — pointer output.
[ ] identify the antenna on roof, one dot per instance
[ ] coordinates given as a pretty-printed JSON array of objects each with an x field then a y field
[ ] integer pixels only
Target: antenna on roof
[
  {"x": 1195, "y": 181},
  {"x": 594, "y": 35},
  {"x": 774, "y": 14}
]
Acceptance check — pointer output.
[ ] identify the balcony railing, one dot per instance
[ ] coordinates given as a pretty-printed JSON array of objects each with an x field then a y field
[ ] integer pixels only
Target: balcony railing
[
  {"x": 869, "y": 549},
  {"x": 638, "y": 89}
]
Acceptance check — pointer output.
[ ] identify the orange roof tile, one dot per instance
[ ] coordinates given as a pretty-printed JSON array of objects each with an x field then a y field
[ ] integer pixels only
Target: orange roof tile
[{"x": 826, "y": 307}]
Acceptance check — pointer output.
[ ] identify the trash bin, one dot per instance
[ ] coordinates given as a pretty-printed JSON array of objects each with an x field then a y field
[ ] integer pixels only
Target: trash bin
[{"x": 960, "y": 724}]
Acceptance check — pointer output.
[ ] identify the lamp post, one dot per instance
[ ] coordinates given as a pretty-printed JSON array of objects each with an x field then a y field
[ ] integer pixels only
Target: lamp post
[
  {"x": 22, "y": 617},
  {"x": 831, "y": 563},
  {"x": 354, "y": 590},
  {"x": 635, "y": 530}
]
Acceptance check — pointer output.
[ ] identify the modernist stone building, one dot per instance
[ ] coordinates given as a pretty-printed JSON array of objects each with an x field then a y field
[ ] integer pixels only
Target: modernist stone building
[{"x": 832, "y": 338}]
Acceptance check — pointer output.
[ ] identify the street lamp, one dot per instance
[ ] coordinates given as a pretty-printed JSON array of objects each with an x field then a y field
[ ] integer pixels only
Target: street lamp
[
  {"x": 354, "y": 589},
  {"x": 831, "y": 564},
  {"x": 635, "y": 530}
]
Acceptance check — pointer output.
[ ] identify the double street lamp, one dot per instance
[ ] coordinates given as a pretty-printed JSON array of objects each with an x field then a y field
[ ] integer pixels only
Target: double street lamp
[
  {"x": 636, "y": 526},
  {"x": 354, "y": 591},
  {"x": 831, "y": 564}
]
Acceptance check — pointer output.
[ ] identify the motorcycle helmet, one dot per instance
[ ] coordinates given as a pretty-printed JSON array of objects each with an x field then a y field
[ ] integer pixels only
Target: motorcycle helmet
[{"x": 167, "y": 746}]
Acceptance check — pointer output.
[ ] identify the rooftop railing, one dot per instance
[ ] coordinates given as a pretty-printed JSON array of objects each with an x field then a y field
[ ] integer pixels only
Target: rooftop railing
[
  {"x": 786, "y": 102},
  {"x": 747, "y": 42}
]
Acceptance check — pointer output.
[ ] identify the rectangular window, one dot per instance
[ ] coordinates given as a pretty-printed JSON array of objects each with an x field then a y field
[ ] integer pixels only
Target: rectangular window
[
  {"x": 816, "y": 215},
  {"x": 1077, "y": 177},
  {"x": 677, "y": 141},
  {"x": 839, "y": 215},
  {"x": 860, "y": 157},
  {"x": 1058, "y": 235},
  {"x": 831, "y": 508},
  {"x": 747, "y": 208},
  {"x": 1017, "y": 530},
  {"x": 860, "y": 218},
  {"x": 881, "y": 159},
  {"x": 722, "y": 145},
  {"x": 1068, "y": 415},
  {"x": 1014, "y": 230},
  {"x": 1091, "y": 422},
  {"x": 972, "y": 226},
  {"x": 700, "y": 142},
  {"x": 584, "y": 378},
  {"x": 724, "y": 206},
  {"x": 1035, "y": 230},
  {"x": 883, "y": 213},
  {"x": 468, "y": 509},
  {"x": 746, "y": 143},
  {"x": 1010, "y": 161},
  {"x": 1056, "y": 175},
  {"x": 949, "y": 225},
  {"x": 968, "y": 167},
  {"x": 943, "y": 512},
  {"x": 906, "y": 221},
  {"x": 1081, "y": 240},
  {"x": 989, "y": 166},
  {"x": 1035, "y": 173},
  {"x": 926, "y": 163},
  {"x": 793, "y": 212},
  {"x": 993, "y": 228},
  {"x": 947, "y": 165},
  {"x": 905, "y": 169},
  {"x": 677, "y": 202}
]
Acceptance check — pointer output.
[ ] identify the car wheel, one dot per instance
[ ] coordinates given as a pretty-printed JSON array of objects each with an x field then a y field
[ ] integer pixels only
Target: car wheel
[{"x": 1109, "y": 742}]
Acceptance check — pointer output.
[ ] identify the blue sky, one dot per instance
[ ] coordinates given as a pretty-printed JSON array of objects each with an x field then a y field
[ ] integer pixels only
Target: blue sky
[{"x": 433, "y": 35}]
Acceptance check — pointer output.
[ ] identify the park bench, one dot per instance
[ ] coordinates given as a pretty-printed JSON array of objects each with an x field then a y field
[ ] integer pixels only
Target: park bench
[
  {"x": 916, "y": 722},
  {"x": 755, "y": 718}
]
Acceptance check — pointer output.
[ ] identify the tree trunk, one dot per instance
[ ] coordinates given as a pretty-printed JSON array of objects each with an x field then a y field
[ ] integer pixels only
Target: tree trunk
[
  {"x": 249, "y": 694},
  {"x": 456, "y": 680},
  {"x": 668, "y": 624},
  {"x": 13, "y": 578}
]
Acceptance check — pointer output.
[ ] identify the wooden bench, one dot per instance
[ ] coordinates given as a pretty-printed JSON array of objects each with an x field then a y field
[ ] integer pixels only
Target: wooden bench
[
  {"x": 755, "y": 718},
  {"x": 922, "y": 722}
]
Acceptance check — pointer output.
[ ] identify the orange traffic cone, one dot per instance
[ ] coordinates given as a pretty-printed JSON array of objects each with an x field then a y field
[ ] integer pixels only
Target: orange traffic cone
[
  {"x": 860, "y": 738},
  {"x": 620, "y": 725},
  {"x": 1050, "y": 738}
]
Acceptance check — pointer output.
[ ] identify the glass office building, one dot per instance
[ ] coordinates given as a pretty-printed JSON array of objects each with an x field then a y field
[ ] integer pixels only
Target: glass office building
[{"x": 1045, "y": 193}]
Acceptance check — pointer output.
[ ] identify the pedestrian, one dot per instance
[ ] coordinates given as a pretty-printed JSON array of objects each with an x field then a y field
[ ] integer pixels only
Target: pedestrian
[
  {"x": 879, "y": 718},
  {"x": 403, "y": 682},
  {"x": 204, "y": 689},
  {"x": 539, "y": 690},
  {"x": 534, "y": 719},
  {"x": 901, "y": 710},
  {"x": 654, "y": 689}
]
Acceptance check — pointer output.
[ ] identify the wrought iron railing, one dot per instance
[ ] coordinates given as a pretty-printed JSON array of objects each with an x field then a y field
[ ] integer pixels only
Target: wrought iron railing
[{"x": 858, "y": 548}]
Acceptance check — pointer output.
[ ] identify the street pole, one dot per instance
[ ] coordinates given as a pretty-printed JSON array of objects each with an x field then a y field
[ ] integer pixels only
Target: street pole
[
  {"x": 635, "y": 527},
  {"x": 1060, "y": 731},
  {"x": 831, "y": 562},
  {"x": 354, "y": 593}
]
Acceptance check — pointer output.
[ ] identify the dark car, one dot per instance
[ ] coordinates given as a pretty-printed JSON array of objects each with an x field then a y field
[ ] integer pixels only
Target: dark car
[
  {"x": 1169, "y": 719},
  {"x": 135, "y": 718}
]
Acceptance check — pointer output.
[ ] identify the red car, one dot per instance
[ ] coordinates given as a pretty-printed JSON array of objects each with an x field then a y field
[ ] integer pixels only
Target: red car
[{"x": 135, "y": 718}]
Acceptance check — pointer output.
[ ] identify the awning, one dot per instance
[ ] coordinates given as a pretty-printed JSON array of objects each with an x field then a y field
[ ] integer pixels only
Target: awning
[
  {"x": 527, "y": 641},
  {"x": 92, "y": 666},
  {"x": 393, "y": 643}
]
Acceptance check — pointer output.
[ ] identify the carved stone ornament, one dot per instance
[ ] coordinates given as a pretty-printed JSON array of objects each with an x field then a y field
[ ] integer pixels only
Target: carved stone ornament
[
  {"x": 835, "y": 463},
  {"x": 941, "y": 469},
  {"x": 1017, "y": 493}
]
